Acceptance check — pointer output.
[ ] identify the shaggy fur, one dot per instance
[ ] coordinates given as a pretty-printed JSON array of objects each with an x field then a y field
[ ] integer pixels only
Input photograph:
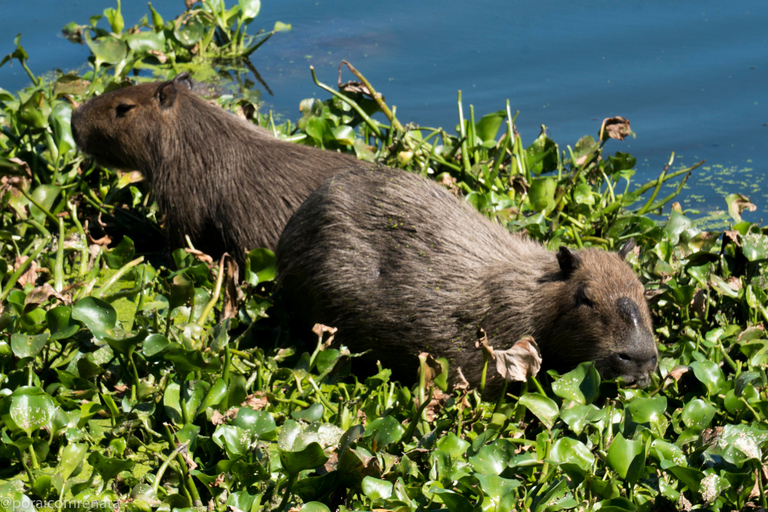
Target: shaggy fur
[
  {"x": 401, "y": 266},
  {"x": 226, "y": 183}
]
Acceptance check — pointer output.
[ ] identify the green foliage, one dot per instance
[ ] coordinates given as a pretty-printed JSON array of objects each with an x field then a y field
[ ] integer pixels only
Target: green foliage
[{"x": 120, "y": 378}]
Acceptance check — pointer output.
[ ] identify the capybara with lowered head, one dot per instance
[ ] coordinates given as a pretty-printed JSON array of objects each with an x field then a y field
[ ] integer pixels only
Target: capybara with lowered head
[
  {"x": 228, "y": 184},
  {"x": 400, "y": 266}
]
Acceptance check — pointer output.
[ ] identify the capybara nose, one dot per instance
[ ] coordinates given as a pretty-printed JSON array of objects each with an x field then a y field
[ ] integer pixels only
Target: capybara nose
[{"x": 639, "y": 362}]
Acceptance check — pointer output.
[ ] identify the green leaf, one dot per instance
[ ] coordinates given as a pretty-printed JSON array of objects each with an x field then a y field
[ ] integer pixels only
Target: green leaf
[
  {"x": 542, "y": 194},
  {"x": 697, "y": 413},
  {"x": 121, "y": 254},
  {"x": 490, "y": 460},
  {"x": 108, "y": 467},
  {"x": 45, "y": 195},
  {"x": 542, "y": 154},
  {"x": 626, "y": 457},
  {"x": 71, "y": 456},
  {"x": 582, "y": 384},
  {"x": 488, "y": 125},
  {"x": 710, "y": 374},
  {"x": 256, "y": 422},
  {"x": 385, "y": 431},
  {"x": 755, "y": 246},
  {"x": 97, "y": 315},
  {"x": 27, "y": 409},
  {"x": 60, "y": 323},
  {"x": 567, "y": 450},
  {"x": 542, "y": 407},
  {"x": 312, "y": 413},
  {"x": 28, "y": 346},
  {"x": 191, "y": 32},
  {"x": 376, "y": 489},
  {"x": 108, "y": 49},
  {"x": 154, "y": 344},
  {"x": 282, "y": 27},
  {"x": 310, "y": 457},
  {"x": 647, "y": 410},
  {"x": 249, "y": 9},
  {"x": 260, "y": 266},
  {"x": 315, "y": 506},
  {"x": 230, "y": 438}
]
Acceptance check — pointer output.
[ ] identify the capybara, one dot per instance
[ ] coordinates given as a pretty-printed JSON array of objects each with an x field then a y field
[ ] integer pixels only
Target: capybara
[
  {"x": 228, "y": 184},
  {"x": 400, "y": 266}
]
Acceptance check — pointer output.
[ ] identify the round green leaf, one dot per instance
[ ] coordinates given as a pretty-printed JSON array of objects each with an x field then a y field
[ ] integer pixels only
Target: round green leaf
[
  {"x": 249, "y": 9},
  {"x": 570, "y": 450},
  {"x": 542, "y": 407},
  {"x": 490, "y": 460},
  {"x": 108, "y": 49},
  {"x": 647, "y": 410},
  {"x": 230, "y": 438},
  {"x": 310, "y": 457},
  {"x": 710, "y": 374},
  {"x": 28, "y": 346},
  {"x": 154, "y": 344},
  {"x": 314, "y": 506},
  {"x": 376, "y": 489},
  {"x": 255, "y": 422},
  {"x": 27, "y": 409},
  {"x": 60, "y": 324},
  {"x": 697, "y": 413},
  {"x": 622, "y": 453},
  {"x": 582, "y": 384},
  {"x": 312, "y": 413},
  {"x": 97, "y": 315}
]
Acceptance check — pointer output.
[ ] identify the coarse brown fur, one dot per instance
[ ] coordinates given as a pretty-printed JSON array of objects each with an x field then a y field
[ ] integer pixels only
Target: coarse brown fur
[
  {"x": 228, "y": 184},
  {"x": 400, "y": 266}
]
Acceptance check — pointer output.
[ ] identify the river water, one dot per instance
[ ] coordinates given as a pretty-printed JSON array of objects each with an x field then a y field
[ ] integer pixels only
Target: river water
[{"x": 691, "y": 76}]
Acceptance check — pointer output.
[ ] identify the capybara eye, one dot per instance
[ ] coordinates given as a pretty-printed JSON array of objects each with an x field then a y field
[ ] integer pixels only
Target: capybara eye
[
  {"x": 123, "y": 109},
  {"x": 582, "y": 299}
]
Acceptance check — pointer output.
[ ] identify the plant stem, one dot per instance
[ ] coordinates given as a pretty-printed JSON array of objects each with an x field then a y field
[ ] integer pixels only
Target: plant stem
[{"x": 120, "y": 273}]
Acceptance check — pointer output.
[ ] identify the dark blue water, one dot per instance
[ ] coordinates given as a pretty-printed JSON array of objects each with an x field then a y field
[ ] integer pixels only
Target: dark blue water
[{"x": 691, "y": 76}]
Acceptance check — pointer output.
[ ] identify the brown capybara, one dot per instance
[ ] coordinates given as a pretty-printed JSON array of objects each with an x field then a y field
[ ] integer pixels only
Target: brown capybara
[
  {"x": 400, "y": 266},
  {"x": 228, "y": 184}
]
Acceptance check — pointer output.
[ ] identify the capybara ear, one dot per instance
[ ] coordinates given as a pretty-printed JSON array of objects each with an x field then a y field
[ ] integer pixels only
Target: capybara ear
[
  {"x": 183, "y": 79},
  {"x": 568, "y": 260},
  {"x": 626, "y": 248},
  {"x": 165, "y": 94}
]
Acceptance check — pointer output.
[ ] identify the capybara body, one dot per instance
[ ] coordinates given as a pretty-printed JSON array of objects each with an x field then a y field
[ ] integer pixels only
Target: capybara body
[
  {"x": 400, "y": 266},
  {"x": 226, "y": 183}
]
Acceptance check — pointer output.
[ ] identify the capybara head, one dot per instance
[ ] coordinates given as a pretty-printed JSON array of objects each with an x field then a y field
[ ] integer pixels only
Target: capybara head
[
  {"x": 221, "y": 180},
  {"x": 126, "y": 127},
  {"x": 601, "y": 315}
]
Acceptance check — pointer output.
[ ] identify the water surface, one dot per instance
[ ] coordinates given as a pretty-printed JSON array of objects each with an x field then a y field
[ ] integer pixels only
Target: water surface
[{"x": 691, "y": 76}]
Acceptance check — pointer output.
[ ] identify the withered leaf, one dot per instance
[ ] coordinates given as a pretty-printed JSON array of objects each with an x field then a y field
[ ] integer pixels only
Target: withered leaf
[
  {"x": 256, "y": 401},
  {"x": 232, "y": 292},
  {"x": 519, "y": 362},
  {"x": 615, "y": 128},
  {"x": 482, "y": 342},
  {"x": 324, "y": 334},
  {"x": 739, "y": 204},
  {"x": 30, "y": 276}
]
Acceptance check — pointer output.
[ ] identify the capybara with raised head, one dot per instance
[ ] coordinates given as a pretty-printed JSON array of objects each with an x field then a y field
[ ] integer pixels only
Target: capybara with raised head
[
  {"x": 400, "y": 266},
  {"x": 228, "y": 184}
]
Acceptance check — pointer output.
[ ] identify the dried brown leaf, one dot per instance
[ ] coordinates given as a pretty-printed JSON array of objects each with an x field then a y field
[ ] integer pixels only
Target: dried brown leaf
[
  {"x": 30, "y": 276},
  {"x": 739, "y": 205},
  {"x": 200, "y": 255},
  {"x": 732, "y": 235},
  {"x": 232, "y": 292},
  {"x": 482, "y": 342},
  {"x": 324, "y": 334},
  {"x": 42, "y": 293},
  {"x": 519, "y": 362},
  {"x": 735, "y": 283},
  {"x": 256, "y": 401},
  {"x": 160, "y": 56},
  {"x": 699, "y": 304},
  {"x": 458, "y": 381},
  {"x": 615, "y": 128}
]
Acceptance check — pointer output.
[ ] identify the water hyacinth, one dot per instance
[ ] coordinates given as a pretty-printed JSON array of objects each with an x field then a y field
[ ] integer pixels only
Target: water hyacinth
[{"x": 166, "y": 382}]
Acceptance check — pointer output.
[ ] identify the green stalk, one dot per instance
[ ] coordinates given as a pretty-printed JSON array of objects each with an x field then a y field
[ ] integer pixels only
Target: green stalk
[
  {"x": 20, "y": 271},
  {"x": 659, "y": 181},
  {"x": 376, "y": 97},
  {"x": 463, "y": 133},
  {"x": 58, "y": 267},
  {"x": 370, "y": 122},
  {"x": 84, "y": 254},
  {"x": 120, "y": 273},
  {"x": 216, "y": 294}
]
